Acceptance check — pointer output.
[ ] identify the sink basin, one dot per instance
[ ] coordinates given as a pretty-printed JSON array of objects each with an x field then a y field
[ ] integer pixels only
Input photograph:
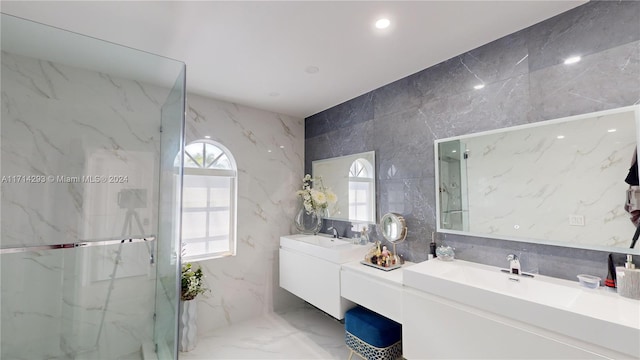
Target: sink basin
[
  {"x": 542, "y": 290},
  {"x": 326, "y": 242},
  {"x": 558, "y": 305},
  {"x": 338, "y": 251}
]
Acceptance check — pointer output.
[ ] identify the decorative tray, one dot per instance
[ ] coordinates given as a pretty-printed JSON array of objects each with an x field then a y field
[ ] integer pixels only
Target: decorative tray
[{"x": 383, "y": 268}]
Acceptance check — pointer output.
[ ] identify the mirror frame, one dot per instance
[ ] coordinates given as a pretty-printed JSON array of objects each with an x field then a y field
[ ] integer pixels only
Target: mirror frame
[
  {"x": 635, "y": 109},
  {"x": 399, "y": 221},
  {"x": 364, "y": 154}
]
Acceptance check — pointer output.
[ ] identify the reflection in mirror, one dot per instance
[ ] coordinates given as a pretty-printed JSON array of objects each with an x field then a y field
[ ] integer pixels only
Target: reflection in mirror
[
  {"x": 452, "y": 173},
  {"x": 352, "y": 178},
  {"x": 559, "y": 182}
]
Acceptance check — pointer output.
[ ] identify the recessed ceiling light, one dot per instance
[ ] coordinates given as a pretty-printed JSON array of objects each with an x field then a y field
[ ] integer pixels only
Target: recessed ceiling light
[
  {"x": 611, "y": 130},
  {"x": 454, "y": 151},
  {"x": 560, "y": 136},
  {"x": 479, "y": 86},
  {"x": 312, "y": 69},
  {"x": 268, "y": 150},
  {"x": 281, "y": 146},
  {"x": 207, "y": 137},
  {"x": 572, "y": 60},
  {"x": 383, "y": 23}
]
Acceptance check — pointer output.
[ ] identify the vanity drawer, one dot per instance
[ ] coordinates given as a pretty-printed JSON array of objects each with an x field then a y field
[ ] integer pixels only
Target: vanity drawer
[{"x": 374, "y": 293}]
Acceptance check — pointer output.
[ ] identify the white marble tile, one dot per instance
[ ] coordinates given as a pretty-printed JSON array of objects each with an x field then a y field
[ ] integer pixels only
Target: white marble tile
[
  {"x": 269, "y": 152},
  {"x": 67, "y": 122},
  {"x": 31, "y": 310},
  {"x": 300, "y": 333}
]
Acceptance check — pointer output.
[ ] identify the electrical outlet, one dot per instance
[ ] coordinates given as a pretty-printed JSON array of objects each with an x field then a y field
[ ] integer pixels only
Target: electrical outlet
[{"x": 576, "y": 220}]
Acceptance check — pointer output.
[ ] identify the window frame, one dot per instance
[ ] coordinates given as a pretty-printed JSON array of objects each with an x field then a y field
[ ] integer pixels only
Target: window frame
[{"x": 233, "y": 200}]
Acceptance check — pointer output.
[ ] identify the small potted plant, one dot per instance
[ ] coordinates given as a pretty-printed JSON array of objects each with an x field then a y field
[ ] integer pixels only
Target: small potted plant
[
  {"x": 192, "y": 286},
  {"x": 192, "y": 283}
]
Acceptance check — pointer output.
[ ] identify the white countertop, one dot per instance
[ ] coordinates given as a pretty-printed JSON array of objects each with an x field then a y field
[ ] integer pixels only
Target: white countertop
[
  {"x": 558, "y": 293},
  {"x": 324, "y": 247}
]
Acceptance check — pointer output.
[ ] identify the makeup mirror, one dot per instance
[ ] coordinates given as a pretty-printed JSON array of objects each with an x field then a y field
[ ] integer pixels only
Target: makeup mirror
[{"x": 393, "y": 227}]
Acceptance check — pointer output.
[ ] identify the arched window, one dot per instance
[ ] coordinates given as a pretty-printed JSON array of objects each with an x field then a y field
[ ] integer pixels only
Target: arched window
[
  {"x": 361, "y": 194},
  {"x": 209, "y": 196}
]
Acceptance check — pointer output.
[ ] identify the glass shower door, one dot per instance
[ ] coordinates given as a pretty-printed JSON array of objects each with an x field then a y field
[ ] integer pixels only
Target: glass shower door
[
  {"x": 88, "y": 201},
  {"x": 169, "y": 212}
]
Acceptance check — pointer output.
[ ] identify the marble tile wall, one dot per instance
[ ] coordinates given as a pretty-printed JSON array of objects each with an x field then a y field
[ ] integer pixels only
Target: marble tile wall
[
  {"x": 49, "y": 132},
  {"x": 269, "y": 152},
  {"x": 61, "y": 122},
  {"x": 525, "y": 81}
]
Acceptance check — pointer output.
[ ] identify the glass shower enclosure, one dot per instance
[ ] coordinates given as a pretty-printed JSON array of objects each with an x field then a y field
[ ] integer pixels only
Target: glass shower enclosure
[
  {"x": 454, "y": 198},
  {"x": 90, "y": 197}
]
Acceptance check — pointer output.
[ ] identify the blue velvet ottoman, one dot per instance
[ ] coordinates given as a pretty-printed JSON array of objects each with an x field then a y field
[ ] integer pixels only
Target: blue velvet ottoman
[{"x": 371, "y": 335}]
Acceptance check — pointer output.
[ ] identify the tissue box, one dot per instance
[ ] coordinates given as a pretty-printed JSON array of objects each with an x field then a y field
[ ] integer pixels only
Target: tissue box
[{"x": 628, "y": 282}]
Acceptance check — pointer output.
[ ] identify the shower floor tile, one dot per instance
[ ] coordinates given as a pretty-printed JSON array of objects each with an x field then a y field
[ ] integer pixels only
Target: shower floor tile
[{"x": 302, "y": 333}]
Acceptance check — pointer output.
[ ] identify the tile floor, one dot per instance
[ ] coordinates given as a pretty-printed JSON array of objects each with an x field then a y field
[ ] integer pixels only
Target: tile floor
[{"x": 301, "y": 333}]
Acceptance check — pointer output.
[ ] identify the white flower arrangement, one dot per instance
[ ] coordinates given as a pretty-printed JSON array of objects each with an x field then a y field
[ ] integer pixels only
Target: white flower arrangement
[{"x": 315, "y": 198}]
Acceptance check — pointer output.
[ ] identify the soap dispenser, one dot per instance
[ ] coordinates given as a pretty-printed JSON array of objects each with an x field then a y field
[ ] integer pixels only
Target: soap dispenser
[
  {"x": 432, "y": 246},
  {"x": 514, "y": 264},
  {"x": 628, "y": 280}
]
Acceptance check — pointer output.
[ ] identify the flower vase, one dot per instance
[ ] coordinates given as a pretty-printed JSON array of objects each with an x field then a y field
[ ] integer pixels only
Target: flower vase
[
  {"x": 188, "y": 326},
  {"x": 308, "y": 222}
]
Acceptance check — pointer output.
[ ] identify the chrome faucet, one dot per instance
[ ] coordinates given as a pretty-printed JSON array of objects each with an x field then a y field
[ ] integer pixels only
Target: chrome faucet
[
  {"x": 335, "y": 232},
  {"x": 515, "y": 267},
  {"x": 514, "y": 264}
]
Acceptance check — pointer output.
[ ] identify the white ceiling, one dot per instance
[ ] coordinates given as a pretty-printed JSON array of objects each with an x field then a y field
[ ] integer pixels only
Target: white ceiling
[{"x": 257, "y": 53}]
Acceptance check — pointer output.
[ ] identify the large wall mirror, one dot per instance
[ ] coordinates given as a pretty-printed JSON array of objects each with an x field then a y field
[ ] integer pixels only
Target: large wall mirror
[
  {"x": 353, "y": 179},
  {"x": 558, "y": 182}
]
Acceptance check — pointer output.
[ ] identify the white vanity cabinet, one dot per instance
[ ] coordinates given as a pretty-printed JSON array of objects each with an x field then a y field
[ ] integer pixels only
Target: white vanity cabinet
[
  {"x": 436, "y": 328},
  {"x": 466, "y": 310},
  {"x": 310, "y": 269}
]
